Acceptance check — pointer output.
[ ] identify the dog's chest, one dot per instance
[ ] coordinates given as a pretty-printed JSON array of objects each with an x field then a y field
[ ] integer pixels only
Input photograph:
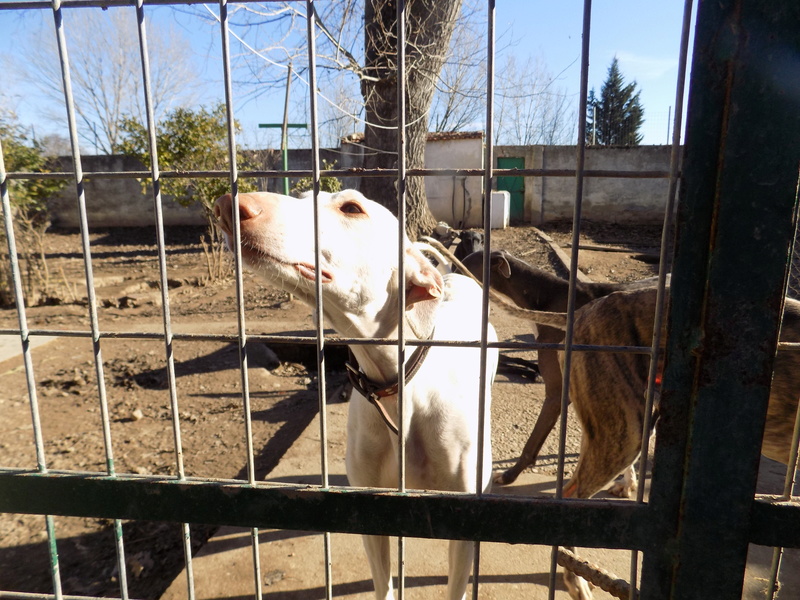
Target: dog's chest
[{"x": 436, "y": 441}]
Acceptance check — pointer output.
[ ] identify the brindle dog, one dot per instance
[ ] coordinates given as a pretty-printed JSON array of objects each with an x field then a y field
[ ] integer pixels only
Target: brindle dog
[
  {"x": 608, "y": 392},
  {"x": 607, "y": 388},
  {"x": 532, "y": 288}
]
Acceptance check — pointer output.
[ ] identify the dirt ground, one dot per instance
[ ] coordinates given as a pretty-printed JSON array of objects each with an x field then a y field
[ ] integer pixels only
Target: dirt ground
[{"x": 283, "y": 397}]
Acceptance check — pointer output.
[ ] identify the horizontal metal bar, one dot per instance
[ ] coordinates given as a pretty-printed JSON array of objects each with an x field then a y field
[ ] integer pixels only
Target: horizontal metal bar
[
  {"x": 8, "y": 595},
  {"x": 600, "y": 173},
  {"x": 338, "y": 341},
  {"x": 511, "y": 519},
  {"x": 334, "y": 341},
  {"x": 281, "y": 125},
  {"x": 774, "y": 521},
  {"x": 47, "y": 4},
  {"x": 353, "y": 172}
]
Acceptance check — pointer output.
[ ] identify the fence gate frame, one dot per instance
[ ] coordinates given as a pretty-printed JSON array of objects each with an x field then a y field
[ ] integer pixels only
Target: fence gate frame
[{"x": 735, "y": 227}]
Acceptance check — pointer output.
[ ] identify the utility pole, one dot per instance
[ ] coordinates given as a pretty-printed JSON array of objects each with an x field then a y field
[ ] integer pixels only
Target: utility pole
[
  {"x": 669, "y": 121},
  {"x": 285, "y": 131}
]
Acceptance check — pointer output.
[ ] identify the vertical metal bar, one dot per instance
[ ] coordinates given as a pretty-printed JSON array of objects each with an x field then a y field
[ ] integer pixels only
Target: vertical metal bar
[
  {"x": 90, "y": 292},
  {"x": 55, "y": 571},
  {"x": 320, "y": 324},
  {"x": 661, "y": 295},
  {"x": 738, "y": 101},
  {"x": 576, "y": 225},
  {"x": 315, "y": 168},
  {"x": 774, "y": 569},
  {"x": 573, "y": 268},
  {"x": 234, "y": 175},
  {"x": 162, "y": 261},
  {"x": 788, "y": 487},
  {"x": 22, "y": 319},
  {"x": 162, "y": 269},
  {"x": 401, "y": 306},
  {"x": 242, "y": 333},
  {"x": 401, "y": 222},
  {"x": 791, "y": 467},
  {"x": 488, "y": 166},
  {"x": 84, "y": 231},
  {"x": 285, "y": 130}
]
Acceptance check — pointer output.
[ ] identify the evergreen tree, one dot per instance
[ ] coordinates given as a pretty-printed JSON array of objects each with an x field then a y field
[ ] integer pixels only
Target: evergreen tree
[{"x": 614, "y": 119}]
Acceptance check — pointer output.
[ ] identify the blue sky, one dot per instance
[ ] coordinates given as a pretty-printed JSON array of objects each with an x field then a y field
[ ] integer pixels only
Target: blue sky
[{"x": 644, "y": 35}]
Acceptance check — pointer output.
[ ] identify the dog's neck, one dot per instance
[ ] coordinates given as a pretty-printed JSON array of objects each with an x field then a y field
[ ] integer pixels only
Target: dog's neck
[{"x": 379, "y": 363}]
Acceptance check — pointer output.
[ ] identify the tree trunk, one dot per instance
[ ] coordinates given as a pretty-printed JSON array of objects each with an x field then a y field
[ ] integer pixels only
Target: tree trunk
[{"x": 429, "y": 26}]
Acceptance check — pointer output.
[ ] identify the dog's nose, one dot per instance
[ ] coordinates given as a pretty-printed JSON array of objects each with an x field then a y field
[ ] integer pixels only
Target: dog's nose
[{"x": 223, "y": 210}]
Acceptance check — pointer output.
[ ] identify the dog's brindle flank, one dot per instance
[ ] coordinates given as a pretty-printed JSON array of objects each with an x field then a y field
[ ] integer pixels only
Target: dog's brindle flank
[
  {"x": 535, "y": 289},
  {"x": 608, "y": 392},
  {"x": 358, "y": 242}
]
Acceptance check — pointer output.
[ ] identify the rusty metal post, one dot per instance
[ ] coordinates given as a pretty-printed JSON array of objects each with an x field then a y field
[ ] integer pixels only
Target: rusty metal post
[{"x": 735, "y": 225}]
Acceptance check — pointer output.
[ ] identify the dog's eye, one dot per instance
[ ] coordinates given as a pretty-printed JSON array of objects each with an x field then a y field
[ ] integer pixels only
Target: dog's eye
[{"x": 351, "y": 208}]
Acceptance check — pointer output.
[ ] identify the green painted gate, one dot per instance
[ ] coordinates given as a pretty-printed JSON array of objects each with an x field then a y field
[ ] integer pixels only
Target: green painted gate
[{"x": 513, "y": 185}]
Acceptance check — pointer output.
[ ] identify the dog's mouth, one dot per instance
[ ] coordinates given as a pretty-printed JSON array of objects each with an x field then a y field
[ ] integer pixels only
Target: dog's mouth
[
  {"x": 306, "y": 270},
  {"x": 255, "y": 255}
]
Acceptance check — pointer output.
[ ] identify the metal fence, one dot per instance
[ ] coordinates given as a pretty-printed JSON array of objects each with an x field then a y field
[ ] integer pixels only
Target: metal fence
[{"x": 727, "y": 288}]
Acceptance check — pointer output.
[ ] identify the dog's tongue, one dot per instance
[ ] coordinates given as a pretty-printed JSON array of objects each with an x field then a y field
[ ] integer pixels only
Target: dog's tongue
[{"x": 307, "y": 271}]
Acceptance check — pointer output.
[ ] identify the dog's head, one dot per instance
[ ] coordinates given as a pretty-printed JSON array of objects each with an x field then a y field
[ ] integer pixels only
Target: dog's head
[{"x": 358, "y": 241}]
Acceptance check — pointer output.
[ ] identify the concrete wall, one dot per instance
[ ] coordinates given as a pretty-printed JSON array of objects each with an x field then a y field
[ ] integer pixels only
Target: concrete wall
[
  {"x": 121, "y": 202},
  {"x": 612, "y": 200},
  {"x": 118, "y": 202},
  {"x": 115, "y": 202}
]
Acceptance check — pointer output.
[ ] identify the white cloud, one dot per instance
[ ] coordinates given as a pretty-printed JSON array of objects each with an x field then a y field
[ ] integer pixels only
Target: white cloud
[{"x": 643, "y": 68}]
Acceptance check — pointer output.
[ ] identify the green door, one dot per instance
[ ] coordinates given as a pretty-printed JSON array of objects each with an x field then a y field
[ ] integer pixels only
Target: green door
[{"x": 514, "y": 185}]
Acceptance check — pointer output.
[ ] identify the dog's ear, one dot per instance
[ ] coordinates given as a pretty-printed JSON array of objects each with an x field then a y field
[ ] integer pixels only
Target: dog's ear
[
  {"x": 500, "y": 263},
  {"x": 422, "y": 280}
]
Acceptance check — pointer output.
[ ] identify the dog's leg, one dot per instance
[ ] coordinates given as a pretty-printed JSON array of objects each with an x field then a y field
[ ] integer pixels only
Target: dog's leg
[
  {"x": 550, "y": 370},
  {"x": 604, "y": 454},
  {"x": 625, "y": 486},
  {"x": 629, "y": 483},
  {"x": 577, "y": 587},
  {"x": 597, "y": 468},
  {"x": 370, "y": 462},
  {"x": 377, "y": 549},
  {"x": 460, "y": 555}
]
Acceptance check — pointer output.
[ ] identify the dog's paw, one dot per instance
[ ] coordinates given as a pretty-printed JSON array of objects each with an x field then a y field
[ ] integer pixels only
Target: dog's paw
[
  {"x": 625, "y": 485},
  {"x": 621, "y": 490},
  {"x": 505, "y": 477}
]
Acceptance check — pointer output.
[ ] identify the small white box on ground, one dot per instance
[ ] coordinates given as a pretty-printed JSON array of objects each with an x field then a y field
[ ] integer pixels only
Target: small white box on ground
[{"x": 501, "y": 208}]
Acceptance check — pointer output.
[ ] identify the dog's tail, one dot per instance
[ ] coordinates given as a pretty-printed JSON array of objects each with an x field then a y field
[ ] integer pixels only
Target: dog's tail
[{"x": 553, "y": 319}]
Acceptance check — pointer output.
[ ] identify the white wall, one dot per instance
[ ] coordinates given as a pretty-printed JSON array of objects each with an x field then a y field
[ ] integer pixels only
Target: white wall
[{"x": 455, "y": 200}]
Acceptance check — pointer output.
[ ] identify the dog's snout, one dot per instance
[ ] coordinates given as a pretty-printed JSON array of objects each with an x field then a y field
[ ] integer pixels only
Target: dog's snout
[{"x": 223, "y": 210}]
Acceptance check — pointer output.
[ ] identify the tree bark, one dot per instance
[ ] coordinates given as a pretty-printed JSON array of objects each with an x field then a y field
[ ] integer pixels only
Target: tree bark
[{"x": 429, "y": 27}]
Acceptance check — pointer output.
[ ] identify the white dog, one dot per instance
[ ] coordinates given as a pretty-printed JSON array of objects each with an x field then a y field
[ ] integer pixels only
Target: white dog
[{"x": 360, "y": 288}]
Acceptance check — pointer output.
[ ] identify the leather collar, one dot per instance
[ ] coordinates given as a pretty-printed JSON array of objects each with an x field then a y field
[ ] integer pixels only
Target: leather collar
[{"x": 374, "y": 391}]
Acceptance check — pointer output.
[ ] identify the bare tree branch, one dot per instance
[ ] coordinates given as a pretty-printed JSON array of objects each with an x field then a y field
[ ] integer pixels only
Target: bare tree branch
[
  {"x": 531, "y": 109},
  {"x": 106, "y": 72}
]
